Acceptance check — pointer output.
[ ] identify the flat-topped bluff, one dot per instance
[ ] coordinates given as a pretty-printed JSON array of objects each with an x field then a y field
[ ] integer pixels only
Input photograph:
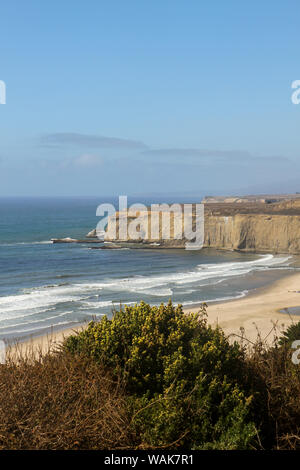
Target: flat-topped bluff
[
  {"x": 253, "y": 224},
  {"x": 244, "y": 225},
  {"x": 258, "y": 198}
]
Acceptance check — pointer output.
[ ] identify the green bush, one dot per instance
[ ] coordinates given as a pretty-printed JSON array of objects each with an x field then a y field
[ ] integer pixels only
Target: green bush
[{"x": 186, "y": 383}]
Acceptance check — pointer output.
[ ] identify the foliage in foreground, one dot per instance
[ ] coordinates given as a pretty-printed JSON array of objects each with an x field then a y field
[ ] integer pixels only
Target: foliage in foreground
[
  {"x": 152, "y": 378},
  {"x": 61, "y": 402},
  {"x": 280, "y": 379},
  {"x": 183, "y": 379},
  {"x": 290, "y": 335}
]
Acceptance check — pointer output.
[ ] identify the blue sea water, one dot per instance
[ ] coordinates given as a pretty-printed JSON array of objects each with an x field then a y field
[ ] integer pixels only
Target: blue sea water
[{"x": 45, "y": 285}]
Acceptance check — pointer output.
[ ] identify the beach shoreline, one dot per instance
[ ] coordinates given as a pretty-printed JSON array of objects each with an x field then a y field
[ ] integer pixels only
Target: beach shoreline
[{"x": 258, "y": 311}]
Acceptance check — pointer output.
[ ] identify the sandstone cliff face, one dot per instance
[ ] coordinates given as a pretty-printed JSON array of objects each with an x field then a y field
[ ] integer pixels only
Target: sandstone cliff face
[
  {"x": 271, "y": 233},
  {"x": 254, "y": 232},
  {"x": 126, "y": 227}
]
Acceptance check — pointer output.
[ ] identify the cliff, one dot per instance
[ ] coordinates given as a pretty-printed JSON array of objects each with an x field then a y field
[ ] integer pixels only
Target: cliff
[
  {"x": 273, "y": 228},
  {"x": 254, "y": 232}
]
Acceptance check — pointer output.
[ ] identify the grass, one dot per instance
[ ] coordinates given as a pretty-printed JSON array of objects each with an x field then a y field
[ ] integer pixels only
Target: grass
[{"x": 61, "y": 402}]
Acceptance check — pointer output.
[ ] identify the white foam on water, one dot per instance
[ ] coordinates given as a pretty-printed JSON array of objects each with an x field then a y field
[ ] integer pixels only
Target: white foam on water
[
  {"x": 44, "y": 242},
  {"x": 35, "y": 300},
  {"x": 202, "y": 272},
  {"x": 29, "y": 330},
  {"x": 163, "y": 292},
  {"x": 30, "y": 303},
  {"x": 40, "y": 320},
  {"x": 101, "y": 304},
  {"x": 33, "y": 313},
  {"x": 218, "y": 299},
  {"x": 226, "y": 270}
]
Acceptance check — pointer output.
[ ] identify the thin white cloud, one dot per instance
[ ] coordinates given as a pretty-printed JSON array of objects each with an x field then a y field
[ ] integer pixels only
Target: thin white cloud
[
  {"x": 195, "y": 152},
  {"x": 87, "y": 161},
  {"x": 91, "y": 141}
]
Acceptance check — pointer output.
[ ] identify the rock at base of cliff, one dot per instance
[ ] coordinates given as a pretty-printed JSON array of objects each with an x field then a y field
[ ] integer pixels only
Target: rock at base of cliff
[{"x": 92, "y": 234}]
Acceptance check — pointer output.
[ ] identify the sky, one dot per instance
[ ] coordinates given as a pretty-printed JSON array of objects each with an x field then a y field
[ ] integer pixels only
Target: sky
[{"x": 163, "y": 96}]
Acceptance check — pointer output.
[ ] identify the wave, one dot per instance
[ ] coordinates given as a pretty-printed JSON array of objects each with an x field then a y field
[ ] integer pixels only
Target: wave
[
  {"x": 25, "y": 331},
  {"x": 101, "y": 304},
  {"x": 38, "y": 304},
  {"x": 97, "y": 305},
  {"x": 161, "y": 285},
  {"x": 40, "y": 320},
  {"x": 44, "y": 242},
  {"x": 240, "y": 295},
  {"x": 203, "y": 272}
]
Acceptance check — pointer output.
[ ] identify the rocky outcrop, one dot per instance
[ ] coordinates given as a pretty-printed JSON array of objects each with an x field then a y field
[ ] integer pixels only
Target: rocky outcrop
[
  {"x": 74, "y": 240},
  {"x": 92, "y": 234}
]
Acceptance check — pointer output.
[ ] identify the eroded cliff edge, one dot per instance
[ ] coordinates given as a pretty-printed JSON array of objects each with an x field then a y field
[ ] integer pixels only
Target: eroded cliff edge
[
  {"x": 254, "y": 232},
  {"x": 261, "y": 227}
]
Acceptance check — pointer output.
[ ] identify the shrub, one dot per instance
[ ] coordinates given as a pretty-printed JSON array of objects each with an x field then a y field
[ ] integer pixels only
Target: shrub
[
  {"x": 152, "y": 377},
  {"x": 186, "y": 382}
]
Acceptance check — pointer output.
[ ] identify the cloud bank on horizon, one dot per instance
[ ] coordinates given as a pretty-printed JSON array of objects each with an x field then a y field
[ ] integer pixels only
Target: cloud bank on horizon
[{"x": 113, "y": 165}]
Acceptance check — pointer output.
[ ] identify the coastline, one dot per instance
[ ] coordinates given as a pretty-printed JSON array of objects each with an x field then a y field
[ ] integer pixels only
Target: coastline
[{"x": 257, "y": 312}]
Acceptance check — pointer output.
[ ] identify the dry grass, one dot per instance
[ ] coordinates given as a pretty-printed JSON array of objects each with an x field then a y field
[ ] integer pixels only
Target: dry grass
[
  {"x": 61, "y": 402},
  {"x": 281, "y": 379},
  {"x": 277, "y": 380}
]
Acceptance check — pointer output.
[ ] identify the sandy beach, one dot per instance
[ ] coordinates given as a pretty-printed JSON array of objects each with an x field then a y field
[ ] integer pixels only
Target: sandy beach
[{"x": 258, "y": 311}]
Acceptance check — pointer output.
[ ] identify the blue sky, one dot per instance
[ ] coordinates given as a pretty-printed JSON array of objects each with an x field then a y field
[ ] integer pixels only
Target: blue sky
[{"x": 139, "y": 96}]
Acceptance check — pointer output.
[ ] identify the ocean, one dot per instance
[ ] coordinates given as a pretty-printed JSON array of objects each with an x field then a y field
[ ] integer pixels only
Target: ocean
[{"x": 45, "y": 286}]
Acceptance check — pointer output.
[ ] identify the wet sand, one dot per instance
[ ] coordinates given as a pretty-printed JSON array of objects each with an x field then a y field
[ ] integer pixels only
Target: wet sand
[{"x": 259, "y": 311}]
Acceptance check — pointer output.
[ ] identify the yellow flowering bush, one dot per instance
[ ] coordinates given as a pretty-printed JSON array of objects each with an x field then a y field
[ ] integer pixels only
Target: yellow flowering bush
[{"x": 185, "y": 381}]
